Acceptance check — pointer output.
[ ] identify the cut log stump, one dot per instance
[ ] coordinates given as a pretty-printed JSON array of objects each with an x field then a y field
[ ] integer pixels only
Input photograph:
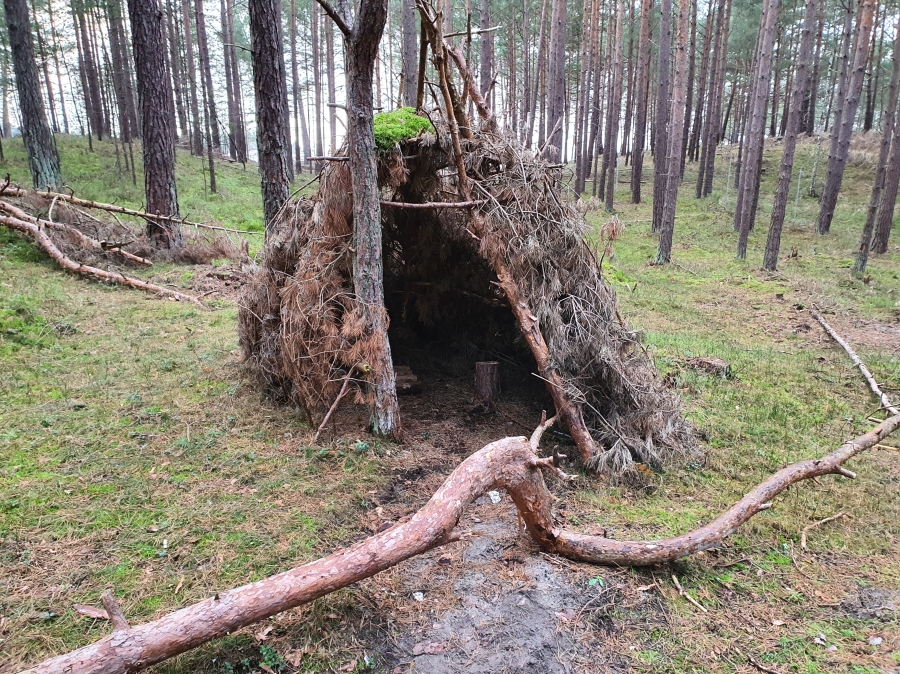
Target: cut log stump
[{"x": 487, "y": 386}]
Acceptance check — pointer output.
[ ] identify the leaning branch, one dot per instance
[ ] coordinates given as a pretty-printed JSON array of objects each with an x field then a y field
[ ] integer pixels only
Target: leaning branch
[
  {"x": 40, "y": 236},
  {"x": 509, "y": 464},
  {"x": 885, "y": 401}
]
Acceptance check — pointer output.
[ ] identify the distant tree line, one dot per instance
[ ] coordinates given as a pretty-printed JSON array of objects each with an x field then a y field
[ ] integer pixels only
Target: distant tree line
[{"x": 598, "y": 84}]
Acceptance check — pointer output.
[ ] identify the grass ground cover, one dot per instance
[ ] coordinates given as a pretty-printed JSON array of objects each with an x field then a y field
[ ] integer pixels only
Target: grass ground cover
[{"x": 136, "y": 454}]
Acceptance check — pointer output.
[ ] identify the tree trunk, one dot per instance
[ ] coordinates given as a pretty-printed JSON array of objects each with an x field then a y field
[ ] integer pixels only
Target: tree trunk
[
  {"x": 689, "y": 98},
  {"x": 556, "y": 79},
  {"x": 694, "y": 140},
  {"x": 155, "y": 95},
  {"x": 676, "y": 135},
  {"x": 229, "y": 90},
  {"x": 240, "y": 132},
  {"x": 196, "y": 134},
  {"x": 206, "y": 72},
  {"x": 361, "y": 47},
  {"x": 615, "y": 108},
  {"x": 486, "y": 61},
  {"x": 90, "y": 74},
  {"x": 271, "y": 109},
  {"x": 330, "y": 76},
  {"x": 643, "y": 88},
  {"x": 715, "y": 125},
  {"x": 838, "y": 161},
  {"x": 809, "y": 115},
  {"x": 177, "y": 73},
  {"x": 299, "y": 115},
  {"x": 55, "y": 49},
  {"x": 745, "y": 214},
  {"x": 782, "y": 192},
  {"x": 409, "y": 53},
  {"x": 889, "y": 118},
  {"x": 315, "y": 23},
  {"x": 663, "y": 110},
  {"x": 42, "y": 52},
  {"x": 40, "y": 146},
  {"x": 487, "y": 385},
  {"x": 538, "y": 85}
]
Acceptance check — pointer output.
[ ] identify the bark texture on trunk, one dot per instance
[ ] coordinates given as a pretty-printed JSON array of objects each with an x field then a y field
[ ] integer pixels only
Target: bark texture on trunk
[
  {"x": 196, "y": 134},
  {"x": 556, "y": 77},
  {"x": 676, "y": 134},
  {"x": 889, "y": 120},
  {"x": 745, "y": 213},
  {"x": 43, "y": 158},
  {"x": 643, "y": 89},
  {"x": 203, "y": 50},
  {"x": 271, "y": 106},
  {"x": 156, "y": 103},
  {"x": 663, "y": 110},
  {"x": 511, "y": 464},
  {"x": 782, "y": 191},
  {"x": 409, "y": 53},
  {"x": 843, "y": 131},
  {"x": 487, "y": 385}
]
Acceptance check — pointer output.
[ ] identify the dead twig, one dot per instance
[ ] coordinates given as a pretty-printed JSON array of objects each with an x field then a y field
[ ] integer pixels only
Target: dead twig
[
  {"x": 114, "y": 612},
  {"x": 334, "y": 405},
  {"x": 885, "y": 401},
  {"x": 687, "y": 596},
  {"x": 810, "y": 527}
]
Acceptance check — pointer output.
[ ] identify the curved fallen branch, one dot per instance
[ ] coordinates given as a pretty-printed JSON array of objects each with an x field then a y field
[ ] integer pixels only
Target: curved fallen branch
[
  {"x": 509, "y": 464},
  {"x": 83, "y": 239},
  {"x": 885, "y": 401},
  {"x": 40, "y": 236},
  {"x": 112, "y": 208}
]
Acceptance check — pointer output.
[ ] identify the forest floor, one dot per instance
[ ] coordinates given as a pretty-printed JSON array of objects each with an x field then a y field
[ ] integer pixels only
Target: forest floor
[{"x": 136, "y": 453}]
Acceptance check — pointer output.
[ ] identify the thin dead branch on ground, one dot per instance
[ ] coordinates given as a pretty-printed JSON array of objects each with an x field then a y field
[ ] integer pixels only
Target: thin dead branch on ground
[
  {"x": 809, "y": 527},
  {"x": 509, "y": 464},
  {"x": 885, "y": 401}
]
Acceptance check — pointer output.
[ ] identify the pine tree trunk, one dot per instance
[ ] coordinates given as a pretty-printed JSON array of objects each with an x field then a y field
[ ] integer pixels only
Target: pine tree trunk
[
  {"x": 42, "y": 53},
  {"x": 689, "y": 98},
  {"x": 663, "y": 110},
  {"x": 676, "y": 135},
  {"x": 196, "y": 134},
  {"x": 880, "y": 187},
  {"x": 812, "y": 93},
  {"x": 872, "y": 75},
  {"x": 55, "y": 48},
  {"x": 315, "y": 23},
  {"x": 332, "y": 90},
  {"x": 782, "y": 192},
  {"x": 368, "y": 275},
  {"x": 90, "y": 74},
  {"x": 271, "y": 109},
  {"x": 643, "y": 88},
  {"x": 745, "y": 213},
  {"x": 486, "y": 61},
  {"x": 694, "y": 140},
  {"x": 155, "y": 95},
  {"x": 583, "y": 98},
  {"x": 715, "y": 125},
  {"x": 556, "y": 82},
  {"x": 206, "y": 72},
  {"x": 177, "y": 73},
  {"x": 538, "y": 85},
  {"x": 838, "y": 161},
  {"x": 615, "y": 107},
  {"x": 240, "y": 133},
  {"x": 409, "y": 53},
  {"x": 40, "y": 146},
  {"x": 299, "y": 115}
]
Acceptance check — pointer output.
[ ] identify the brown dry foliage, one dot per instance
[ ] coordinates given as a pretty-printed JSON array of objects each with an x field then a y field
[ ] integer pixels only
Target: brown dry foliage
[{"x": 301, "y": 328}]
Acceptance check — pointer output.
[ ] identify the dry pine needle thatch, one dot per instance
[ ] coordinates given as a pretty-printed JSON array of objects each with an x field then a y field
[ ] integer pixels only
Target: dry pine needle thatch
[{"x": 301, "y": 327}]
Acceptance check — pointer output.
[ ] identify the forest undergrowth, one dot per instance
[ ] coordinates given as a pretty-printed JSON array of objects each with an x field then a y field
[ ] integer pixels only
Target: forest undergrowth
[{"x": 136, "y": 454}]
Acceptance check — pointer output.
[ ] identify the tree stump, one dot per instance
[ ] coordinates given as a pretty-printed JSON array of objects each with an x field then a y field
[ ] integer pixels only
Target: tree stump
[{"x": 487, "y": 386}]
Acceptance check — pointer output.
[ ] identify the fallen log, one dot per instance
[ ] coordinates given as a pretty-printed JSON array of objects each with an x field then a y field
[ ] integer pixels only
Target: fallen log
[
  {"x": 511, "y": 464},
  {"x": 40, "y": 236},
  {"x": 113, "y": 208},
  {"x": 83, "y": 239},
  {"x": 885, "y": 401}
]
